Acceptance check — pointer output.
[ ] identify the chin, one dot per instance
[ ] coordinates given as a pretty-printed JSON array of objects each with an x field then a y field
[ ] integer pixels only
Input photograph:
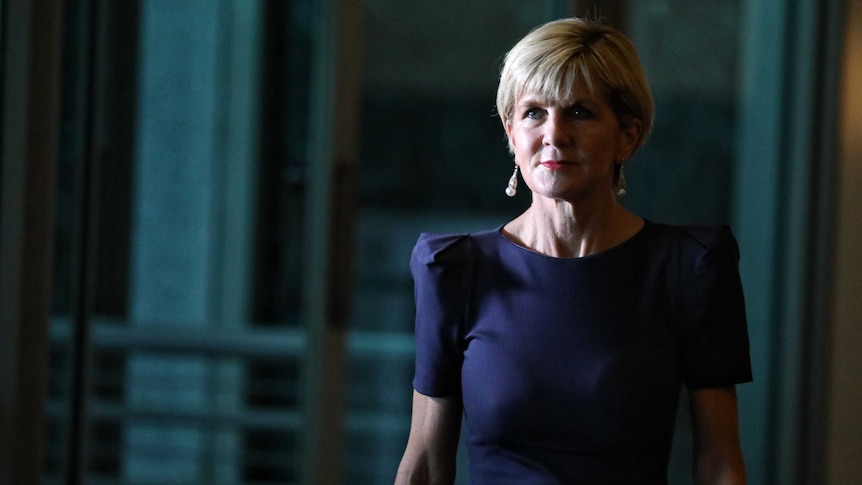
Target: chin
[{"x": 571, "y": 195}]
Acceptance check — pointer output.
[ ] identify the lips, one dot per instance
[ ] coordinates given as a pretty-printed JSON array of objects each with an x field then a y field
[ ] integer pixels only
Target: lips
[{"x": 555, "y": 164}]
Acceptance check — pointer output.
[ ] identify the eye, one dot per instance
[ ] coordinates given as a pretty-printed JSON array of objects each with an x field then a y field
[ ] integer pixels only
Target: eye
[
  {"x": 580, "y": 113},
  {"x": 533, "y": 113}
]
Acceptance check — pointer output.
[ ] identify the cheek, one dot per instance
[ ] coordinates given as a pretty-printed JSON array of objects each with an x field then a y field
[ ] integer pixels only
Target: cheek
[
  {"x": 521, "y": 142},
  {"x": 600, "y": 146},
  {"x": 513, "y": 140}
]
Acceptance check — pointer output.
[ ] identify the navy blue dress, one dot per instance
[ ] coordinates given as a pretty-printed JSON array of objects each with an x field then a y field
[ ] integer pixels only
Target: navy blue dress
[{"x": 570, "y": 370}]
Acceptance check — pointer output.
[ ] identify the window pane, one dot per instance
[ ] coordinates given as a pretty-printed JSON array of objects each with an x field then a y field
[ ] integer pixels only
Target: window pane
[
  {"x": 193, "y": 255},
  {"x": 683, "y": 174}
]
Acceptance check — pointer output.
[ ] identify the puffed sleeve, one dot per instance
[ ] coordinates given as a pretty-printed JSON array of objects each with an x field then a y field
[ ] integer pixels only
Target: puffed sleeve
[
  {"x": 714, "y": 331},
  {"x": 440, "y": 266}
]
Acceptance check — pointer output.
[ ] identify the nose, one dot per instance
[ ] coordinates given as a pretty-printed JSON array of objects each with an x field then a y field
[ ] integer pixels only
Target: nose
[{"x": 555, "y": 131}]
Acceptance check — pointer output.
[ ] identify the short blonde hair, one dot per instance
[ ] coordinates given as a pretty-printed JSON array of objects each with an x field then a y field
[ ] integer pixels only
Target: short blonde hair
[{"x": 553, "y": 57}]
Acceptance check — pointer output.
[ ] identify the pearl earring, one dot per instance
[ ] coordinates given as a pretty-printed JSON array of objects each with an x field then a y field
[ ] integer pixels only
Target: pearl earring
[
  {"x": 512, "y": 188},
  {"x": 621, "y": 182}
]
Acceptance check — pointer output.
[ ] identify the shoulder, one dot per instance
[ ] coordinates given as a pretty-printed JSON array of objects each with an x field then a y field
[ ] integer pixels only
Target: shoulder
[
  {"x": 713, "y": 237},
  {"x": 434, "y": 249},
  {"x": 697, "y": 243}
]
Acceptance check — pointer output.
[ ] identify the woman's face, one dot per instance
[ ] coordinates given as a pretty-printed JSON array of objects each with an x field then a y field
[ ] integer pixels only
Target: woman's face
[{"x": 567, "y": 149}]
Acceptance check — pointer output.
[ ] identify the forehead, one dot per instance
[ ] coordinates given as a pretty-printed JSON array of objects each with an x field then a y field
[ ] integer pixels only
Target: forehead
[{"x": 578, "y": 93}]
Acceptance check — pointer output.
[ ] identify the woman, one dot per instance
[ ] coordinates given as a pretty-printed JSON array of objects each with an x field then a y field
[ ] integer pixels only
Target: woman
[{"x": 564, "y": 337}]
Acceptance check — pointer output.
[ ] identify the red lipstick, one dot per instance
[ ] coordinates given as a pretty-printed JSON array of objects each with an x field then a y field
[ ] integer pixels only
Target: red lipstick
[{"x": 555, "y": 164}]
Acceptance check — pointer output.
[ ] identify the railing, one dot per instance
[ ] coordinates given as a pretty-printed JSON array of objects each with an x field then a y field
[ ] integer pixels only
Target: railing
[{"x": 219, "y": 400}]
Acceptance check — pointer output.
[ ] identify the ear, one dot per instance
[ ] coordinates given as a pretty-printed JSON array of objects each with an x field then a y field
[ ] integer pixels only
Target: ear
[
  {"x": 629, "y": 136},
  {"x": 507, "y": 125}
]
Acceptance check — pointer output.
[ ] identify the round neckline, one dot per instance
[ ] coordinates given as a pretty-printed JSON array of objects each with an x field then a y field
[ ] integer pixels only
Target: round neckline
[{"x": 620, "y": 246}]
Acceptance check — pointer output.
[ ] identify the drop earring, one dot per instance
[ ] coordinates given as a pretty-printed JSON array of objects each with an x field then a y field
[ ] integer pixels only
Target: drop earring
[
  {"x": 621, "y": 182},
  {"x": 512, "y": 188}
]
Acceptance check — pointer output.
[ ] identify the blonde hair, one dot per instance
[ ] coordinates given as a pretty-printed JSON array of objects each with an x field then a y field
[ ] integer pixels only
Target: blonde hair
[{"x": 554, "y": 57}]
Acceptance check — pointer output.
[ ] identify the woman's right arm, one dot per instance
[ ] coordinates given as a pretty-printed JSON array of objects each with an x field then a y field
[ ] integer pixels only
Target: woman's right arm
[{"x": 433, "y": 442}]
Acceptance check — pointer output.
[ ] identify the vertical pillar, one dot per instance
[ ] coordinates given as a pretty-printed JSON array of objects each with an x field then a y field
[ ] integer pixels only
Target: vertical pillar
[
  {"x": 28, "y": 157},
  {"x": 336, "y": 61},
  {"x": 172, "y": 244},
  {"x": 758, "y": 158},
  {"x": 192, "y": 230},
  {"x": 843, "y": 447},
  {"x": 234, "y": 219}
]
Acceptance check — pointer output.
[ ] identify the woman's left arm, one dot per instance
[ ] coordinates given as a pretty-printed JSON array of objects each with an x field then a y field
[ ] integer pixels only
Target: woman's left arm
[{"x": 717, "y": 451}]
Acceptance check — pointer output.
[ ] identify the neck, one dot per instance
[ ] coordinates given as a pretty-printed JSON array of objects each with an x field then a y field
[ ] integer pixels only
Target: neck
[{"x": 564, "y": 229}]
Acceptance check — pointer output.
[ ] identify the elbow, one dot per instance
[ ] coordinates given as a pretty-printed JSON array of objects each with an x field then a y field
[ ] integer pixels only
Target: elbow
[
  {"x": 406, "y": 476},
  {"x": 731, "y": 478}
]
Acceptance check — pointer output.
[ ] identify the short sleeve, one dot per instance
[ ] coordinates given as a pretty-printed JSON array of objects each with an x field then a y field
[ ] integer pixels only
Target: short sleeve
[
  {"x": 440, "y": 267},
  {"x": 714, "y": 330}
]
